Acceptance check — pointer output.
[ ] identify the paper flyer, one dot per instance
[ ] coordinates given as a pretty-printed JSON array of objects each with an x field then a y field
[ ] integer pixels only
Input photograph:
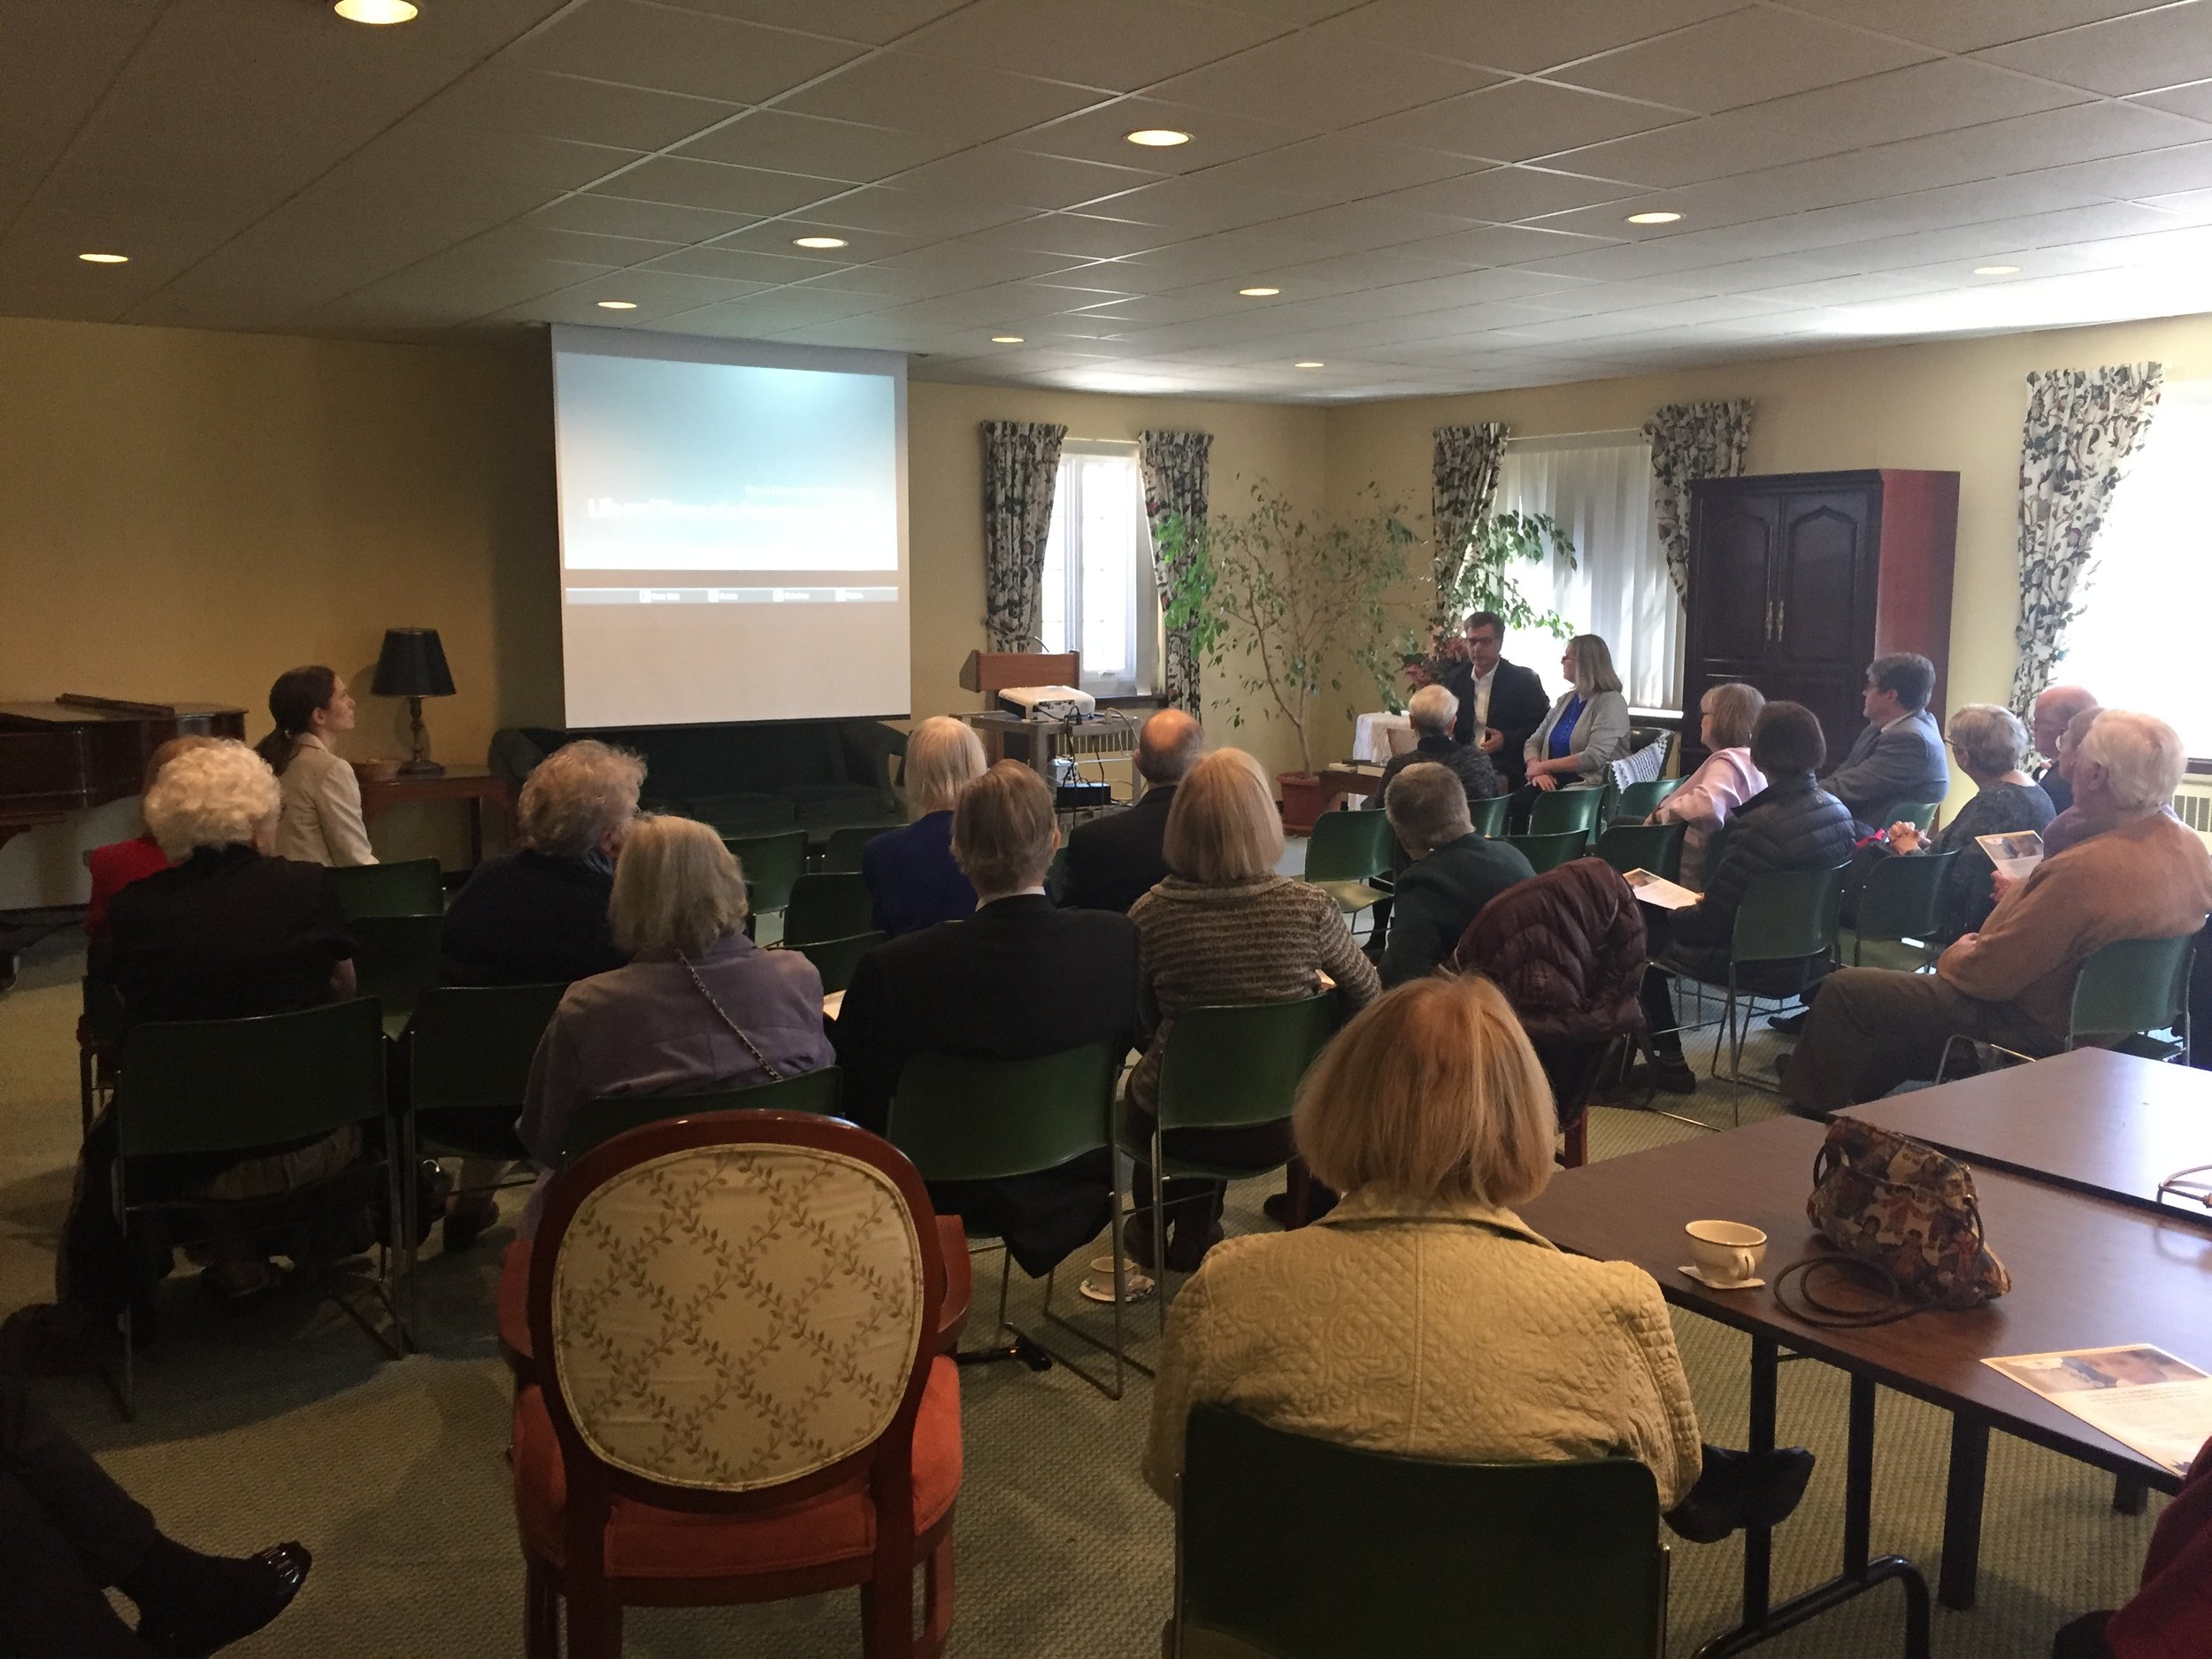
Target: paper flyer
[
  {"x": 1659, "y": 891},
  {"x": 2141, "y": 1395},
  {"x": 2013, "y": 855}
]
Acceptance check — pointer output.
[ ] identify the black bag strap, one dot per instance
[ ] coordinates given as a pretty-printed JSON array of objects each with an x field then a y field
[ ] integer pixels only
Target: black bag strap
[
  {"x": 721, "y": 1013},
  {"x": 1815, "y": 1311}
]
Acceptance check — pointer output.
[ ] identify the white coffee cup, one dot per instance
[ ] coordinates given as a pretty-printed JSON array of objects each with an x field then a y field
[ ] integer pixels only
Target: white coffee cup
[{"x": 1728, "y": 1252}]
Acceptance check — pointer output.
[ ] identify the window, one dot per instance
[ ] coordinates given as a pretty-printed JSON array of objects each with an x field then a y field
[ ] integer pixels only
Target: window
[
  {"x": 2140, "y": 642},
  {"x": 1098, "y": 596},
  {"x": 1598, "y": 487}
]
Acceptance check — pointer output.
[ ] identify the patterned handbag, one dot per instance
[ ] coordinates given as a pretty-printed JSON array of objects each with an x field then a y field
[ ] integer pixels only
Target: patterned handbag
[{"x": 1906, "y": 1209}]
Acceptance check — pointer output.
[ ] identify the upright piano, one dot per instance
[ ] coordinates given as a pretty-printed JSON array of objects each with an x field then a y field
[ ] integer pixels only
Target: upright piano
[{"x": 76, "y": 753}]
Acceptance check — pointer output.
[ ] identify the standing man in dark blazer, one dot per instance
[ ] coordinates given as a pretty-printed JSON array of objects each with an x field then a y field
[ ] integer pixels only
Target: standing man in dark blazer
[
  {"x": 1017, "y": 980},
  {"x": 1898, "y": 758},
  {"x": 1501, "y": 704},
  {"x": 1114, "y": 861}
]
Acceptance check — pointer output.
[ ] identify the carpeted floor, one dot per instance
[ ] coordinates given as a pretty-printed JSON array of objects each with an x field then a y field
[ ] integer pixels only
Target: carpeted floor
[{"x": 284, "y": 1421}]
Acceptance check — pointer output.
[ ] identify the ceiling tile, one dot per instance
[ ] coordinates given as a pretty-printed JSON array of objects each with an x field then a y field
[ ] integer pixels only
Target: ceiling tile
[
  {"x": 501, "y": 97},
  {"x": 1747, "y": 57},
  {"x": 1196, "y": 202},
  {"x": 1936, "y": 97},
  {"x": 739, "y": 265},
  {"x": 919, "y": 213},
  {"x": 710, "y": 184},
  {"x": 934, "y": 94},
  {"x": 1351, "y": 225},
  {"x": 1004, "y": 174},
  {"x": 1503, "y": 195},
  {"x": 1329, "y": 75},
  {"x": 1121, "y": 45},
  {"x": 678, "y": 51},
  {"x": 605, "y": 215},
  {"x": 1076, "y": 235},
  {"x": 1962, "y": 26},
  {"x": 62, "y": 55},
  {"x": 878, "y": 22},
  {"x": 1102, "y": 134},
  {"x": 778, "y": 236},
  {"x": 2054, "y": 138},
  {"x": 1501, "y": 245},
  {"x": 1524, "y": 36},
  {"x": 1324, "y": 170},
  {"x": 1691, "y": 153},
  {"x": 2141, "y": 53},
  {"x": 785, "y": 143},
  {"x": 1519, "y": 120},
  {"x": 2194, "y": 100},
  {"x": 2151, "y": 172}
]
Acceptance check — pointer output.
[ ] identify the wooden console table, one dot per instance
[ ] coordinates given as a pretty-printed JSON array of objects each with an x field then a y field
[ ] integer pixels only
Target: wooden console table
[{"x": 472, "y": 784}]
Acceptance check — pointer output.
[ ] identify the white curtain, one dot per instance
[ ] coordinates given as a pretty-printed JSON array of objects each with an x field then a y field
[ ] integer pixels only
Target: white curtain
[{"x": 1598, "y": 487}]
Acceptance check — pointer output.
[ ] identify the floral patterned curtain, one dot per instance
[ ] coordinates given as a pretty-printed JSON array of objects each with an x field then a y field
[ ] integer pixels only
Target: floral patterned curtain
[
  {"x": 1021, "y": 469},
  {"x": 2082, "y": 426},
  {"x": 1174, "y": 464},
  {"x": 1466, "y": 482},
  {"x": 1690, "y": 442}
]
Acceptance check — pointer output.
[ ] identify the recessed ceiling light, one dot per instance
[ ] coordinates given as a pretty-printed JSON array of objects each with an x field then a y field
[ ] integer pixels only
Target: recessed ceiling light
[
  {"x": 1311, "y": 363},
  {"x": 617, "y": 305},
  {"x": 375, "y": 11},
  {"x": 1259, "y": 293},
  {"x": 1158, "y": 137},
  {"x": 1653, "y": 218},
  {"x": 1996, "y": 270},
  {"x": 817, "y": 241},
  {"x": 1006, "y": 340},
  {"x": 105, "y": 259}
]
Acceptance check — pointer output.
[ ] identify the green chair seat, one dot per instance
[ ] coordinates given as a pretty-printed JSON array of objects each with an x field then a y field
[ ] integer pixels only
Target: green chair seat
[
  {"x": 770, "y": 863},
  {"x": 834, "y": 959},
  {"x": 395, "y": 960},
  {"x": 411, "y": 887},
  {"x": 819, "y": 1092},
  {"x": 843, "y": 851},
  {"x": 1350, "y": 846},
  {"x": 827, "y": 905},
  {"x": 1639, "y": 800},
  {"x": 1639, "y": 845},
  {"x": 1569, "y": 808},
  {"x": 1901, "y": 899},
  {"x": 1351, "y": 896},
  {"x": 1490, "y": 816},
  {"x": 1548, "y": 852}
]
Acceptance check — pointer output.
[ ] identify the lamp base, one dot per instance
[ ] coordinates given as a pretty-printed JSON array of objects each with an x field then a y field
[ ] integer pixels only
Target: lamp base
[
  {"x": 420, "y": 768},
  {"x": 419, "y": 763}
]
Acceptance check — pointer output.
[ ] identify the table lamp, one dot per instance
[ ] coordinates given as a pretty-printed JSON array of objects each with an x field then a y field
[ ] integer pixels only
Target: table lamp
[{"x": 413, "y": 665}]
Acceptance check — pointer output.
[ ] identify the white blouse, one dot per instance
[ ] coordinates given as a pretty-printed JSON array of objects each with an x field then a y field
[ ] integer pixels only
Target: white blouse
[{"x": 320, "y": 821}]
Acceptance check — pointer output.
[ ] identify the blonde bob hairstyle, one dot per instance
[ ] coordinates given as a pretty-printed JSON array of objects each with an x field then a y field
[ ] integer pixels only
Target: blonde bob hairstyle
[
  {"x": 1734, "y": 709},
  {"x": 675, "y": 885},
  {"x": 1431, "y": 1092},
  {"x": 575, "y": 795},
  {"x": 1003, "y": 831},
  {"x": 944, "y": 756},
  {"x": 216, "y": 795},
  {"x": 1222, "y": 826},
  {"x": 1592, "y": 662}
]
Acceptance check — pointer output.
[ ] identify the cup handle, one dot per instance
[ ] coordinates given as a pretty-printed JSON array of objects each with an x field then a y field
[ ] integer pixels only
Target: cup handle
[{"x": 1743, "y": 1263}]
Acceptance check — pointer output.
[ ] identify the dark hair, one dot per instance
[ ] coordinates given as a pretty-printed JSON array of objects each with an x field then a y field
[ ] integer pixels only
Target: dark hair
[
  {"x": 293, "y": 700},
  {"x": 1907, "y": 673},
  {"x": 1786, "y": 739},
  {"x": 1486, "y": 619}
]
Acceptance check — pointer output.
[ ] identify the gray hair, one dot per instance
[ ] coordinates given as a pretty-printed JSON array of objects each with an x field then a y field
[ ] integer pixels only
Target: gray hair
[
  {"x": 214, "y": 795},
  {"x": 1169, "y": 745},
  {"x": 1989, "y": 738},
  {"x": 944, "y": 756},
  {"x": 1433, "y": 708},
  {"x": 2143, "y": 759},
  {"x": 1427, "y": 805},
  {"x": 675, "y": 883},
  {"x": 575, "y": 795}
]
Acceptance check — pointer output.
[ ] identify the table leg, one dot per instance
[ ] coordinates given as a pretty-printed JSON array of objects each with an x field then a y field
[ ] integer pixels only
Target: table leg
[
  {"x": 476, "y": 831},
  {"x": 2131, "y": 1495},
  {"x": 1758, "y": 1541},
  {"x": 1963, "y": 1511}
]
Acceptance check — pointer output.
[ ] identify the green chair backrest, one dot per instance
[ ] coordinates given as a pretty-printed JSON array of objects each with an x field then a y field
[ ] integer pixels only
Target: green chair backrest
[
  {"x": 819, "y": 1092},
  {"x": 1350, "y": 846},
  {"x": 1902, "y": 896},
  {"x": 1490, "y": 816},
  {"x": 1789, "y": 914},
  {"x": 834, "y": 959},
  {"x": 771, "y": 864},
  {"x": 1639, "y": 801},
  {"x": 2132, "y": 986},
  {"x": 1232, "y": 1066},
  {"x": 843, "y": 851},
  {"x": 1548, "y": 852},
  {"x": 231, "y": 1085},
  {"x": 827, "y": 904},
  {"x": 981, "y": 1120},
  {"x": 469, "y": 1046},
  {"x": 1919, "y": 814},
  {"x": 1654, "y": 846},
  {"x": 1057, "y": 873},
  {"x": 395, "y": 957},
  {"x": 1421, "y": 1558},
  {"x": 1563, "y": 809},
  {"x": 411, "y": 888}
]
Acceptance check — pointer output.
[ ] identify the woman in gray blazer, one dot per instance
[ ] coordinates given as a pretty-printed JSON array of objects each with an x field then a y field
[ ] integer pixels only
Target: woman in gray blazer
[{"x": 1587, "y": 730}]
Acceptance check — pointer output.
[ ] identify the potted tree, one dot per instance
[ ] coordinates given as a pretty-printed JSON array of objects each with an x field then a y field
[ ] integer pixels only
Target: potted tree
[{"x": 1291, "y": 603}]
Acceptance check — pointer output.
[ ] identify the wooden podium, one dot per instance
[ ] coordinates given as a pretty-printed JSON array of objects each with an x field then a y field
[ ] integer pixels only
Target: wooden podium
[
  {"x": 1035, "y": 743},
  {"x": 991, "y": 673}
]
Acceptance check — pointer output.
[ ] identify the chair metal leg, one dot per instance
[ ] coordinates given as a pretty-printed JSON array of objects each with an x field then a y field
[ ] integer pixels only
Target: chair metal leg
[{"x": 1159, "y": 1224}]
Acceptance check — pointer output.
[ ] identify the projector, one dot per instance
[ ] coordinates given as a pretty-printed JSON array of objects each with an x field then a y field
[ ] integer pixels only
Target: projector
[{"x": 1048, "y": 702}]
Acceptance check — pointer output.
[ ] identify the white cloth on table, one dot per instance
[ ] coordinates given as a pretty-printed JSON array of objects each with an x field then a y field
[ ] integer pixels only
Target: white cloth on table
[{"x": 1377, "y": 737}]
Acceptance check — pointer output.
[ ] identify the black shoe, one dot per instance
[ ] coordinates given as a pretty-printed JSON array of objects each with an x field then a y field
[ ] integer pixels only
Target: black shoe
[
  {"x": 1789, "y": 1025},
  {"x": 1188, "y": 1245},
  {"x": 1741, "y": 1489},
  {"x": 467, "y": 1220},
  {"x": 1670, "y": 1076},
  {"x": 1318, "y": 1204},
  {"x": 1136, "y": 1240},
  {"x": 225, "y": 1602}
]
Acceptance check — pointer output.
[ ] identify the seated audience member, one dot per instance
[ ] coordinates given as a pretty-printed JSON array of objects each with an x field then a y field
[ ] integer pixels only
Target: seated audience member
[
  {"x": 1225, "y": 928},
  {"x": 2172, "y": 1614},
  {"x": 70, "y": 1533},
  {"x": 322, "y": 822},
  {"x": 1018, "y": 979},
  {"x": 1432, "y": 711},
  {"x": 1113, "y": 860},
  {"x": 699, "y": 1006},
  {"x": 1587, "y": 730},
  {"x": 1991, "y": 745},
  {"x": 2012, "y": 983},
  {"x": 1898, "y": 758},
  {"x": 117, "y": 864},
  {"x": 1422, "y": 1317},
  {"x": 913, "y": 881},
  {"x": 1455, "y": 872},
  {"x": 2048, "y": 715},
  {"x": 1727, "y": 778},
  {"x": 2072, "y": 824},
  {"x": 1499, "y": 703},
  {"x": 1793, "y": 824}
]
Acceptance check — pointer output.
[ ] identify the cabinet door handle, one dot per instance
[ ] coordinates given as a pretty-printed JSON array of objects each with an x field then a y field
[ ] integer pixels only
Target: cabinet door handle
[
  {"x": 1781, "y": 618},
  {"x": 1770, "y": 622}
]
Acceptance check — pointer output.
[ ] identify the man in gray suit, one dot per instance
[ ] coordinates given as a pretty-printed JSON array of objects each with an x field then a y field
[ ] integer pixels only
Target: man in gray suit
[{"x": 1898, "y": 758}]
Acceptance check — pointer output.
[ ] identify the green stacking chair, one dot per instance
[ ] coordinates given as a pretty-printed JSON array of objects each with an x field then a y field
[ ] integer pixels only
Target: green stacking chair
[
  {"x": 1346, "y": 852},
  {"x": 1490, "y": 816},
  {"x": 1559, "y": 811},
  {"x": 988, "y": 1120},
  {"x": 1900, "y": 906},
  {"x": 1548, "y": 852},
  {"x": 2132, "y": 989},
  {"x": 827, "y": 904},
  {"x": 771, "y": 864},
  {"x": 819, "y": 1092},
  {"x": 395, "y": 960},
  {"x": 1057, "y": 873},
  {"x": 1786, "y": 923},
  {"x": 413, "y": 887},
  {"x": 1920, "y": 814},
  {"x": 234, "y": 1086},
  {"x": 1421, "y": 1558},
  {"x": 834, "y": 959},
  {"x": 1639, "y": 800},
  {"x": 1639, "y": 845},
  {"x": 841, "y": 852}
]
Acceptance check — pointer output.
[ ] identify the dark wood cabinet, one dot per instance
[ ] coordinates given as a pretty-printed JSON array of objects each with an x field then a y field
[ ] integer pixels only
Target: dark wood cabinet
[{"x": 1798, "y": 581}]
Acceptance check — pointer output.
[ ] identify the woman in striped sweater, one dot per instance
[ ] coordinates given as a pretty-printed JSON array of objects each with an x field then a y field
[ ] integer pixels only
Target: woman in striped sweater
[{"x": 1225, "y": 928}]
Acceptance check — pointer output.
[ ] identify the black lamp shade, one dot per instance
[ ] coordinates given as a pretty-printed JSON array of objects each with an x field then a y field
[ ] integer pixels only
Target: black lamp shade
[{"x": 412, "y": 664}]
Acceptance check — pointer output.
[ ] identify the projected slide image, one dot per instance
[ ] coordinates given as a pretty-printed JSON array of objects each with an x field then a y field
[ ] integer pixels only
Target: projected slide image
[{"x": 716, "y": 468}]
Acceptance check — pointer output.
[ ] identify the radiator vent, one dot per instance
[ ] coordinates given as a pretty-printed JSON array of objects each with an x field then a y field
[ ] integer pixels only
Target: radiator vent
[{"x": 2193, "y": 801}]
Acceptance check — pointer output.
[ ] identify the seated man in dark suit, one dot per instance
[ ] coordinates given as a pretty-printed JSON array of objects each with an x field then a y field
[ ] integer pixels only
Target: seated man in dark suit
[
  {"x": 1018, "y": 980},
  {"x": 1455, "y": 872},
  {"x": 2048, "y": 715},
  {"x": 1899, "y": 757},
  {"x": 1114, "y": 861},
  {"x": 1501, "y": 704}
]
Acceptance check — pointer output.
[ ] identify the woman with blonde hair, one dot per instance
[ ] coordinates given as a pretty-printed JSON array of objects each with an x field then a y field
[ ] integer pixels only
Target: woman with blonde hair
[
  {"x": 1473, "y": 1336},
  {"x": 1225, "y": 928},
  {"x": 1724, "y": 781},
  {"x": 698, "y": 1007},
  {"x": 913, "y": 879},
  {"x": 1587, "y": 730}
]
